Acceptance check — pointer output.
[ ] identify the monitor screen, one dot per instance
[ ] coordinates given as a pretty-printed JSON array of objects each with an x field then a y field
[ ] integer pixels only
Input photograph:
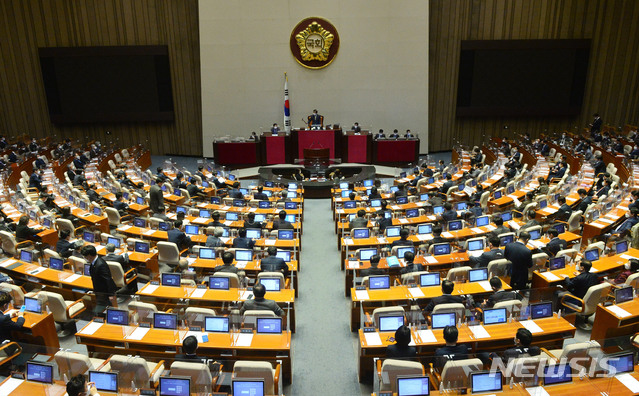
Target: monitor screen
[
  {"x": 621, "y": 247},
  {"x": 244, "y": 191},
  {"x": 291, "y": 194},
  {"x": 379, "y": 282},
  {"x": 285, "y": 234},
  {"x": 394, "y": 189},
  {"x": 231, "y": 177},
  {"x": 269, "y": 325},
  {"x": 284, "y": 255},
  {"x": 344, "y": 193},
  {"x": 368, "y": 183},
  {"x": 218, "y": 283},
  {"x": 366, "y": 254},
  {"x": 204, "y": 213},
  {"x": 139, "y": 222},
  {"x": 170, "y": 279},
  {"x": 441, "y": 320},
  {"x": 248, "y": 387},
  {"x": 507, "y": 216},
  {"x": 115, "y": 241},
  {"x": 350, "y": 204},
  {"x": 253, "y": 233},
  {"x": 243, "y": 255},
  {"x": 269, "y": 184},
  {"x": 290, "y": 218},
  {"x": 117, "y": 317},
  {"x": 482, "y": 221},
  {"x": 402, "y": 251},
  {"x": 455, "y": 225},
  {"x": 390, "y": 323},
  {"x": 410, "y": 213},
  {"x": 438, "y": 210},
  {"x": 497, "y": 194},
  {"x": 476, "y": 244},
  {"x": 290, "y": 205},
  {"x": 376, "y": 203},
  {"x": 142, "y": 247},
  {"x": 191, "y": 229},
  {"x": 441, "y": 248},
  {"x": 271, "y": 284},
  {"x": 423, "y": 197},
  {"x": 139, "y": 200},
  {"x": 557, "y": 374},
  {"x": 506, "y": 239},
  {"x": 485, "y": 381},
  {"x": 206, "y": 253},
  {"x": 431, "y": 279},
  {"x": 83, "y": 205},
  {"x": 216, "y": 324},
  {"x": 88, "y": 236},
  {"x": 535, "y": 234},
  {"x": 40, "y": 372},
  {"x": 177, "y": 192},
  {"x": 292, "y": 186},
  {"x": 592, "y": 254},
  {"x": 495, "y": 316},
  {"x": 510, "y": 189},
  {"x": 343, "y": 185},
  {"x": 26, "y": 256},
  {"x": 425, "y": 229},
  {"x": 461, "y": 206},
  {"x": 413, "y": 386},
  {"x": 104, "y": 381},
  {"x": 543, "y": 203},
  {"x": 260, "y": 217},
  {"x": 623, "y": 294},
  {"x": 215, "y": 200},
  {"x": 392, "y": 231},
  {"x": 181, "y": 209},
  {"x": 401, "y": 200},
  {"x": 541, "y": 310},
  {"x": 264, "y": 204},
  {"x": 56, "y": 263},
  {"x": 97, "y": 211},
  {"x": 87, "y": 269},
  {"x": 557, "y": 263},
  {"x": 620, "y": 363},
  {"x": 361, "y": 233},
  {"x": 163, "y": 320},
  {"x": 163, "y": 226},
  {"x": 173, "y": 386},
  {"x": 47, "y": 222},
  {"x": 478, "y": 275},
  {"x": 32, "y": 305},
  {"x": 560, "y": 228}
]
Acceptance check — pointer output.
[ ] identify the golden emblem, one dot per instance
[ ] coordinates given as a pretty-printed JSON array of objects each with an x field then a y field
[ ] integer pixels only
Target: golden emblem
[{"x": 314, "y": 42}]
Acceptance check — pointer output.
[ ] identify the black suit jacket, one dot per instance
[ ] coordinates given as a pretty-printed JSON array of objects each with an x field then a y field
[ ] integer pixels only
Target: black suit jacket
[
  {"x": 563, "y": 213},
  {"x": 579, "y": 285},
  {"x": 412, "y": 268},
  {"x": 521, "y": 257},
  {"x": 502, "y": 295},
  {"x": 124, "y": 262},
  {"x": 103, "y": 284},
  {"x": 372, "y": 271},
  {"x": 316, "y": 119},
  {"x": 600, "y": 167},
  {"x": 7, "y": 326},
  {"x": 486, "y": 257},
  {"x": 274, "y": 264},
  {"x": 243, "y": 243},
  {"x": 399, "y": 351},
  {"x": 156, "y": 199},
  {"x": 448, "y": 184},
  {"x": 24, "y": 232},
  {"x": 64, "y": 247},
  {"x": 583, "y": 205},
  {"x": 555, "y": 245},
  {"x": 179, "y": 238},
  {"x": 282, "y": 225},
  {"x": 443, "y": 299}
]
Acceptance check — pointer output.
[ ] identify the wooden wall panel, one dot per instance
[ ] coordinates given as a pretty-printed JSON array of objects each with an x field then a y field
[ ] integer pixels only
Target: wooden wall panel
[
  {"x": 612, "y": 86},
  {"x": 26, "y": 25}
]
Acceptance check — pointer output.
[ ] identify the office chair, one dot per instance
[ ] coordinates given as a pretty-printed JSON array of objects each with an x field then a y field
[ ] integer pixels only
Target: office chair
[
  {"x": 260, "y": 370},
  {"x": 201, "y": 378},
  {"x": 585, "y": 308},
  {"x": 389, "y": 369},
  {"x": 74, "y": 363},
  {"x": 136, "y": 370}
]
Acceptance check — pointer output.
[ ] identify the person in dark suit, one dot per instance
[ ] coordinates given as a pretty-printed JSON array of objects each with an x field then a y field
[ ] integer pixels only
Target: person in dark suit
[
  {"x": 360, "y": 221},
  {"x": 275, "y": 129},
  {"x": 409, "y": 134},
  {"x": 596, "y": 124},
  {"x": 555, "y": 244},
  {"x": 241, "y": 241},
  {"x": 118, "y": 258},
  {"x": 499, "y": 294},
  {"x": 447, "y": 184},
  {"x": 564, "y": 211},
  {"x": 259, "y": 195},
  {"x": 380, "y": 134},
  {"x": 532, "y": 222},
  {"x": 605, "y": 190},
  {"x": 410, "y": 266},
  {"x": 403, "y": 239},
  {"x": 24, "y": 232},
  {"x": 585, "y": 200},
  {"x": 501, "y": 228},
  {"x": 77, "y": 162},
  {"x": 64, "y": 246},
  {"x": 523, "y": 339},
  {"x": 272, "y": 263},
  {"x": 189, "y": 349},
  {"x": 260, "y": 303},
  {"x": 634, "y": 198},
  {"x": 281, "y": 224},
  {"x": 373, "y": 270},
  {"x": 103, "y": 285},
  {"x": 177, "y": 236},
  {"x": 156, "y": 198},
  {"x": 401, "y": 349},
  {"x": 120, "y": 205},
  {"x": 495, "y": 253},
  {"x": 449, "y": 214},
  {"x": 35, "y": 180},
  {"x": 356, "y": 127},
  {"x": 374, "y": 194},
  {"x": 452, "y": 351},
  {"x": 521, "y": 258},
  {"x": 91, "y": 193},
  {"x": 315, "y": 120},
  {"x": 235, "y": 191},
  {"x": 599, "y": 165},
  {"x": 227, "y": 261},
  {"x": 214, "y": 239},
  {"x": 394, "y": 135},
  {"x": 251, "y": 223},
  {"x": 70, "y": 173},
  {"x": 447, "y": 288},
  {"x": 7, "y": 325}
]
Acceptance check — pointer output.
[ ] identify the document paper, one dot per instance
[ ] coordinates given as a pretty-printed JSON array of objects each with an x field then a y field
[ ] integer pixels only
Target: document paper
[
  {"x": 372, "y": 339},
  {"x": 91, "y": 328},
  {"x": 479, "y": 331},
  {"x": 532, "y": 326}
]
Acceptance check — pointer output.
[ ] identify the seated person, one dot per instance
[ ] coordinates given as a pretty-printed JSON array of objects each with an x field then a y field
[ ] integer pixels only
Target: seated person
[
  {"x": 215, "y": 239},
  {"x": 403, "y": 239},
  {"x": 447, "y": 184},
  {"x": 630, "y": 267},
  {"x": 227, "y": 260},
  {"x": 360, "y": 221},
  {"x": 401, "y": 349},
  {"x": 251, "y": 223},
  {"x": 177, "y": 236},
  {"x": 64, "y": 246},
  {"x": 65, "y": 213},
  {"x": 7, "y": 326},
  {"x": 531, "y": 219},
  {"x": 373, "y": 270},
  {"x": 24, "y": 232},
  {"x": 120, "y": 205},
  {"x": 189, "y": 348},
  {"x": 499, "y": 294},
  {"x": 215, "y": 216},
  {"x": 235, "y": 191},
  {"x": 452, "y": 350},
  {"x": 495, "y": 253},
  {"x": 410, "y": 266},
  {"x": 272, "y": 263},
  {"x": 555, "y": 244},
  {"x": 374, "y": 194},
  {"x": 241, "y": 241},
  {"x": 259, "y": 195},
  {"x": 160, "y": 214},
  {"x": 564, "y": 211},
  {"x": 260, "y": 303},
  {"x": 446, "y": 298},
  {"x": 281, "y": 224},
  {"x": 501, "y": 228},
  {"x": 449, "y": 214},
  {"x": 523, "y": 339},
  {"x": 77, "y": 386},
  {"x": 530, "y": 196},
  {"x": 579, "y": 285}
]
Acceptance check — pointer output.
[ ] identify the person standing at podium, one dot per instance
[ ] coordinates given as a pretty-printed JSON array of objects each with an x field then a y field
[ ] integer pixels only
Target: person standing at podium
[
  {"x": 275, "y": 129},
  {"x": 315, "y": 120}
]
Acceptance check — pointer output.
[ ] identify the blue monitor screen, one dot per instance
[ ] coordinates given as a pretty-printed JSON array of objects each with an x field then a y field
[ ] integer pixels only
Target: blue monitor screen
[
  {"x": 290, "y": 205},
  {"x": 239, "y": 202},
  {"x": 292, "y": 186},
  {"x": 117, "y": 317},
  {"x": 290, "y": 218},
  {"x": 285, "y": 234},
  {"x": 560, "y": 228},
  {"x": 366, "y": 254},
  {"x": 253, "y": 233},
  {"x": 413, "y": 386},
  {"x": 507, "y": 216},
  {"x": 390, "y": 323},
  {"x": 623, "y": 294},
  {"x": 392, "y": 231},
  {"x": 97, "y": 211},
  {"x": 216, "y": 324},
  {"x": 88, "y": 236},
  {"x": 243, "y": 255},
  {"x": 138, "y": 222},
  {"x": 177, "y": 192},
  {"x": 343, "y": 185},
  {"x": 557, "y": 263},
  {"x": 535, "y": 234},
  {"x": 269, "y": 184},
  {"x": 260, "y": 217},
  {"x": 423, "y": 197},
  {"x": 497, "y": 194},
  {"x": 32, "y": 305},
  {"x": 264, "y": 204},
  {"x": 26, "y": 256},
  {"x": 462, "y": 205},
  {"x": 376, "y": 203},
  {"x": 543, "y": 203},
  {"x": 271, "y": 284},
  {"x": 379, "y": 282},
  {"x": 175, "y": 386},
  {"x": 403, "y": 250},
  {"x": 218, "y": 283},
  {"x": 206, "y": 253},
  {"x": 191, "y": 229},
  {"x": 163, "y": 226},
  {"x": 477, "y": 275},
  {"x": 368, "y": 183},
  {"x": 441, "y": 320},
  {"x": 557, "y": 374},
  {"x": 231, "y": 216},
  {"x": 104, "y": 381},
  {"x": 360, "y": 233},
  {"x": 204, "y": 213},
  {"x": 505, "y": 240},
  {"x": 394, "y": 189},
  {"x": 142, "y": 247},
  {"x": 56, "y": 263},
  {"x": 431, "y": 279},
  {"x": 284, "y": 255},
  {"x": 248, "y": 388},
  {"x": 621, "y": 247},
  {"x": 438, "y": 210},
  {"x": 441, "y": 248},
  {"x": 169, "y": 279},
  {"x": 39, "y": 372},
  {"x": 482, "y": 221},
  {"x": 165, "y": 321},
  {"x": 87, "y": 269},
  {"x": 455, "y": 225},
  {"x": 494, "y": 316},
  {"x": 139, "y": 200},
  {"x": 269, "y": 325},
  {"x": 541, "y": 310},
  {"x": 622, "y": 363},
  {"x": 215, "y": 200},
  {"x": 477, "y": 244},
  {"x": 402, "y": 200},
  {"x": 486, "y": 382},
  {"x": 425, "y": 229},
  {"x": 592, "y": 254},
  {"x": 412, "y": 213},
  {"x": 181, "y": 209},
  {"x": 350, "y": 205},
  {"x": 345, "y": 193}
]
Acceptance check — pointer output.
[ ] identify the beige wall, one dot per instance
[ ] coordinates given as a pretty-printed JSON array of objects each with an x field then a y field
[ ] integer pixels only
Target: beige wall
[{"x": 379, "y": 77}]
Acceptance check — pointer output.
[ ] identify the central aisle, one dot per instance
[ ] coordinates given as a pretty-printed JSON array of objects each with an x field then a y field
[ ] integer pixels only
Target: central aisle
[{"x": 324, "y": 349}]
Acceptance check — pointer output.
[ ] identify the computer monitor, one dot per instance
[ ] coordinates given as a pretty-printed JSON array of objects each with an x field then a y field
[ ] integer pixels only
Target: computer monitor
[
  {"x": 177, "y": 192},
  {"x": 391, "y": 322},
  {"x": 83, "y": 205},
  {"x": 510, "y": 189},
  {"x": 56, "y": 263},
  {"x": 114, "y": 241},
  {"x": 410, "y": 213},
  {"x": 541, "y": 310},
  {"x": 40, "y": 372},
  {"x": 455, "y": 225},
  {"x": 350, "y": 205},
  {"x": 361, "y": 233},
  {"x": 88, "y": 236},
  {"x": 171, "y": 279},
  {"x": 142, "y": 247},
  {"x": 271, "y": 284},
  {"x": 413, "y": 386},
  {"x": 461, "y": 206},
  {"x": 253, "y": 233},
  {"x": 482, "y": 221},
  {"x": 401, "y": 251},
  {"x": 218, "y": 283},
  {"x": 535, "y": 234},
  {"x": 343, "y": 185},
  {"x": 486, "y": 381},
  {"x": 139, "y": 222},
  {"x": 32, "y": 305},
  {"x": 260, "y": 217},
  {"x": 425, "y": 229},
  {"x": 164, "y": 226},
  {"x": 117, "y": 317},
  {"x": 268, "y": 183},
  {"x": 560, "y": 228},
  {"x": 269, "y": 325},
  {"x": 402, "y": 175},
  {"x": 291, "y": 194},
  {"x": 401, "y": 200},
  {"x": 388, "y": 215},
  {"x": 231, "y": 177},
  {"x": 139, "y": 201},
  {"x": 264, "y": 204},
  {"x": 87, "y": 269},
  {"x": 284, "y": 255},
  {"x": 475, "y": 244},
  {"x": 232, "y": 216},
  {"x": 441, "y": 320},
  {"x": 543, "y": 203},
  {"x": 393, "y": 231},
  {"x": 181, "y": 209},
  {"x": 557, "y": 263},
  {"x": 376, "y": 282},
  {"x": 175, "y": 386},
  {"x": 204, "y": 213},
  {"x": 244, "y": 191},
  {"x": 438, "y": 210},
  {"x": 247, "y": 387},
  {"x": 430, "y": 279},
  {"x": 292, "y": 186},
  {"x": 366, "y": 254},
  {"x": 623, "y": 294},
  {"x": 376, "y": 203},
  {"x": 163, "y": 320},
  {"x": 506, "y": 216},
  {"x": 506, "y": 239},
  {"x": 206, "y": 253},
  {"x": 26, "y": 256},
  {"x": 557, "y": 374},
  {"x": 46, "y": 221},
  {"x": 441, "y": 248},
  {"x": 368, "y": 183},
  {"x": 345, "y": 193},
  {"x": 497, "y": 194},
  {"x": 216, "y": 324},
  {"x": 592, "y": 254},
  {"x": 243, "y": 255},
  {"x": 291, "y": 218},
  {"x": 495, "y": 316},
  {"x": 104, "y": 381},
  {"x": 394, "y": 189},
  {"x": 97, "y": 211},
  {"x": 620, "y": 363},
  {"x": 286, "y": 235},
  {"x": 478, "y": 275},
  {"x": 621, "y": 247},
  {"x": 290, "y": 205},
  {"x": 423, "y": 197},
  {"x": 215, "y": 200}
]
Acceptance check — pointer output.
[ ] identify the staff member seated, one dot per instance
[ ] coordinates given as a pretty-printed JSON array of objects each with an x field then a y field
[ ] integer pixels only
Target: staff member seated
[
  {"x": 227, "y": 259},
  {"x": 579, "y": 285},
  {"x": 403, "y": 239},
  {"x": 272, "y": 263},
  {"x": 500, "y": 294},
  {"x": 189, "y": 347},
  {"x": 260, "y": 303},
  {"x": 452, "y": 351},
  {"x": 495, "y": 253},
  {"x": 401, "y": 349},
  {"x": 77, "y": 386},
  {"x": 373, "y": 270},
  {"x": 410, "y": 266},
  {"x": 447, "y": 289},
  {"x": 523, "y": 339}
]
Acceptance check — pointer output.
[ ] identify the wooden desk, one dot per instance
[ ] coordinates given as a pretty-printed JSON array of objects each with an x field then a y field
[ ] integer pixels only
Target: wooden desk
[
  {"x": 610, "y": 325},
  {"x": 41, "y": 331}
]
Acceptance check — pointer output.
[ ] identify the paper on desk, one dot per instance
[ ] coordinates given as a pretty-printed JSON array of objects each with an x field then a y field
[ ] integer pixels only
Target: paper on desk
[
  {"x": 198, "y": 293},
  {"x": 72, "y": 278},
  {"x": 190, "y": 260},
  {"x": 537, "y": 243},
  {"x": 490, "y": 227},
  {"x": 7, "y": 263},
  {"x": 537, "y": 391},
  {"x": 138, "y": 333},
  {"x": 91, "y": 328},
  {"x": 623, "y": 256},
  {"x": 149, "y": 289},
  {"x": 348, "y": 241},
  {"x": 424, "y": 237},
  {"x": 604, "y": 220},
  {"x": 514, "y": 224},
  {"x": 125, "y": 227},
  {"x": 149, "y": 232},
  {"x": 10, "y": 385},
  {"x": 485, "y": 285},
  {"x": 427, "y": 336},
  {"x": 395, "y": 207},
  {"x": 416, "y": 292},
  {"x": 629, "y": 381},
  {"x": 225, "y": 240},
  {"x": 362, "y": 294},
  {"x": 515, "y": 200},
  {"x": 381, "y": 240},
  {"x": 403, "y": 221},
  {"x": 197, "y": 334},
  {"x": 476, "y": 230},
  {"x": 431, "y": 259},
  {"x": 550, "y": 276},
  {"x": 352, "y": 264},
  {"x": 447, "y": 234},
  {"x": 479, "y": 331},
  {"x": 36, "y": 271},
  {"x": 617, "y": 310},
  {"x": 372, "y": 339},
  {"x": 241, "y": 264},
  {"x": 227, "y": 222},
  {"x": 432, "y": 217},
  {"x": 532, "y": 326},
  {"x": 271, "y": 242},
  {"x": 244, "y": 340},
  {"x": 245, "y": 295}
]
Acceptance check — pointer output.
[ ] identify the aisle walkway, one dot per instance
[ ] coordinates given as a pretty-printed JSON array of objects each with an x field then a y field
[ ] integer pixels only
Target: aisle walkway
[{"x": 324, "y": 349}]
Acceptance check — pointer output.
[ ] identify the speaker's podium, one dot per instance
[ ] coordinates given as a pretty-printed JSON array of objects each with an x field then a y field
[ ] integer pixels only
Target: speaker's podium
[{"x": 322, "y": 138}]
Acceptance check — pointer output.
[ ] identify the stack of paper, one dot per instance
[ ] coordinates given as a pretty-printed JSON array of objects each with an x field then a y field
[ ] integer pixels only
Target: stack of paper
[
  {"x": 149, "y": 289},
  {"x": 91, "y": 328},
  {"x": 416, "y": 292},
  {"x": 361, "y": 294},
  {"x": 372, "y": 339},
  {"x": 427, "y": 336},
  {"x": 532, "y": 326},
  {"x": 138, "y": 334},
  {"x": 244, "y": 340},
  {"x": 479, "y": 331}
]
